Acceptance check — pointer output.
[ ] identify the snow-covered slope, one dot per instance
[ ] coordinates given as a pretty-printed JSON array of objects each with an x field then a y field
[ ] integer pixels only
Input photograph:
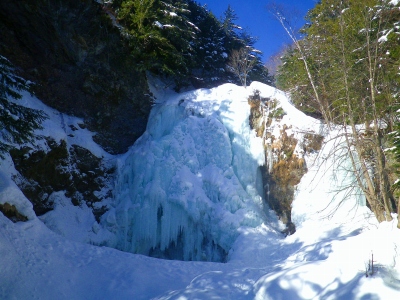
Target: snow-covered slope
[{"x": 198, "y": 160}]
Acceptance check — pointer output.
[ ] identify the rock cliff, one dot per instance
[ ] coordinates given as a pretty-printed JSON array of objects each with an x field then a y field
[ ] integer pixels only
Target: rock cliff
[
  {"x": 80, "y": 65},
  {"x": 284, "y": 155}
]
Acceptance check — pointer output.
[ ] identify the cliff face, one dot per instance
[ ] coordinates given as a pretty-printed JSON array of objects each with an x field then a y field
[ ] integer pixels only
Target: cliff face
[
  {"x": 75, "y": 171},
  {"x": 284, "y": 155},
  {"x": 82, "y": 67},
  {"x": 80, "y": 64}
]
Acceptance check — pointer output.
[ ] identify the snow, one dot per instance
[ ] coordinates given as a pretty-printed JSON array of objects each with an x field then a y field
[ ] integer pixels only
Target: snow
[
  {"x": 75, "y": 223},
  {"x": 199, "y": 153},
  {"x": 63, "y": 127},
  {"x": 9, "y": 192},
  {"x": 384, "y": 38},
  {"x": 158, "y": 24}
]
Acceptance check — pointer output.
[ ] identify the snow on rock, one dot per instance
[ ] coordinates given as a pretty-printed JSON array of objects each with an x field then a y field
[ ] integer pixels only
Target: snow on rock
[
  {"x": 76, "y": 223},
  {"x": 60, "y": 126},
  {"x": 291, "y": 140},
  {"x": 71, "y": 221},
  {"x": 293, "y": 116},
  {"x": 10, "y": 193}
]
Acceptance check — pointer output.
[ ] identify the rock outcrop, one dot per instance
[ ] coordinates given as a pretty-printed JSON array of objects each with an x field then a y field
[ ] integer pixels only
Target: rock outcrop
[
  {"x": 80, "y": 64},
  {"x": 75, "y": 171},
  {"x": 284, "y": 156}
]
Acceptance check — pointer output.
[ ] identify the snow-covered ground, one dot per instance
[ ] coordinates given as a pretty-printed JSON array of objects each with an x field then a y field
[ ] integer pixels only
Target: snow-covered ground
[{"x": 203, "y": 137}]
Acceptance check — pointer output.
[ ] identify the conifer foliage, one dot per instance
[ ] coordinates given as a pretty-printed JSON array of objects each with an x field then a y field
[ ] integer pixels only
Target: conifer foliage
[
  {"x": 159, "y": 33},
  {"x": 346, "y": 70},
  {"x": 182, "y": 39},
  {"x": 17, "y": 122}
]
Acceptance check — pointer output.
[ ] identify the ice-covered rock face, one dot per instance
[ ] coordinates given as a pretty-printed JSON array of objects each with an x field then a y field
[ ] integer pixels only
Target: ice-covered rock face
[
  {"x": 287, "y": 147},
  {"x": 192, "y": 180}
]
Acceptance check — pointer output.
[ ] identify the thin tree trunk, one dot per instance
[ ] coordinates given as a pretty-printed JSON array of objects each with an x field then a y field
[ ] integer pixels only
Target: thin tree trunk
[
  {"x": 379, "y": 155},
  {"x": 398, "y": 213},
  {"x": 296, "y": 42},
  {"x": 364, "y": 178}
]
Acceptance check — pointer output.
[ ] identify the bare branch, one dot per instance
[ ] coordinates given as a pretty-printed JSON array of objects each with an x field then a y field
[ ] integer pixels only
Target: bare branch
[{"x": 241, "y": 62}]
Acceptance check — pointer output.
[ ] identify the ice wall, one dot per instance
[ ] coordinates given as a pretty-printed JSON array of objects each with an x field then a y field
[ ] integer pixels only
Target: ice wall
[{"x": 192, "y": 180}]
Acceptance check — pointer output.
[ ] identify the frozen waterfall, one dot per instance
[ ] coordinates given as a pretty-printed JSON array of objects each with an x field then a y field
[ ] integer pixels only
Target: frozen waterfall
[{"x": 192, "y": 180}]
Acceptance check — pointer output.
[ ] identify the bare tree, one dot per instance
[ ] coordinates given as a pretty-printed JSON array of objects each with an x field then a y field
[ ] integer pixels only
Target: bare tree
[
  {"x": 274, "y": 61},
  {"x": 241, "y": 62},
  {"x": 368, "y": 141},
  {"x": 358, "y": 33},
  {"x": 277, "y": 12}
]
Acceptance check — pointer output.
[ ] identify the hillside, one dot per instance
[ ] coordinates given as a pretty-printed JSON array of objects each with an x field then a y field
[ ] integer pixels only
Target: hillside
[
  {"x": 143, "y": 155},
  {"x": 260, "y": 263}
]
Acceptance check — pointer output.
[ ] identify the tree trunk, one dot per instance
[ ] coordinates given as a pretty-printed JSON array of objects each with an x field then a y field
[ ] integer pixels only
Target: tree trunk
[
  {"x": 372, "y": 54},
  {"x": 398, "y": 213},
  {"x": 363, "y": 177}
]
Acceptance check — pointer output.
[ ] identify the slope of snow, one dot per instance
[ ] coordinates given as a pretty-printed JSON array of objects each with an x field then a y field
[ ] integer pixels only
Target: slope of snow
[
  {"x": 60, "y": 126},
  {"x": 327, "y": 258}
]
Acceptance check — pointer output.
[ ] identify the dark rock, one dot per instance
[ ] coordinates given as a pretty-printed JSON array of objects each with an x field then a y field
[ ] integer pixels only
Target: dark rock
[
  {"x": 80, "y": 64},
  {"x": 280, "y": 179},
  {"x": 11, "y": 212},
  {"x": 74, "y": 170}
]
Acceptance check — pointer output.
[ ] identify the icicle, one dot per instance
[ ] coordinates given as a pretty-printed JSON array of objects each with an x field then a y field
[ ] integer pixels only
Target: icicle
[{"x": 189, "y": 182}]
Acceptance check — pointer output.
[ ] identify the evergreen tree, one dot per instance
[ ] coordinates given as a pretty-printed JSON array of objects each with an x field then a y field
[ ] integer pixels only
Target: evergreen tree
[
  {"x": 347, "y": 68},
  {"x": 183, "y": 39},
  {"x": 292, "y": 77},
  {"x": 17, "y": 122},
  {"x": 160, "y": 34},
  {"x": 232, "y": 40},
  {"x": 260, "y": 73},
  {"x": 228, "y": 22},
  {"x": 395, "y": 151},
  {"x": 239, "y": 43},
  {"x": 335, "y": 46},
  {"x": 210, "y": 54}
]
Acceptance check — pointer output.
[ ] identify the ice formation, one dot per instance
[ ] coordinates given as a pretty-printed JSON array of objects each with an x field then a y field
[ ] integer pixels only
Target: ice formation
[{"x": 192, "y": 180}]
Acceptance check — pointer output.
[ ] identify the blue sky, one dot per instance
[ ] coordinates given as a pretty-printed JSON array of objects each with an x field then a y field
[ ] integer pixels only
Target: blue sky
[{"x": 254, "y": 16}]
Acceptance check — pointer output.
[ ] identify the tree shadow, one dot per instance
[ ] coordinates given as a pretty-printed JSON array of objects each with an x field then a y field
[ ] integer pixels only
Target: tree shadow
[
  {"x": 323, "y": 248},
  {"x": 288, "y": 286},
  {"x": 389, "y": 276},
  {"x": 275, "y": 281}
]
